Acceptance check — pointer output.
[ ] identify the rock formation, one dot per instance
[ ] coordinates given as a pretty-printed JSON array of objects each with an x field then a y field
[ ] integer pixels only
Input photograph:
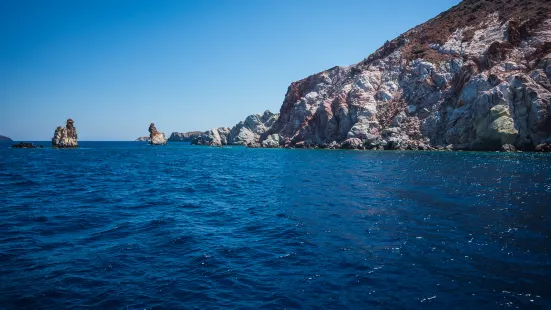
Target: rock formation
[
  {"x": 156, "y": 137},
  {"x": 247, "y": 132},
  {"x": 25, "y": 145},
  {"x": 3, "y": 138},
  {"x": 213, "y": 137},
  {"x": 65, "y": 137},
  {"x": 477, "y": 76},
  {"x": 184, "y": 137}
]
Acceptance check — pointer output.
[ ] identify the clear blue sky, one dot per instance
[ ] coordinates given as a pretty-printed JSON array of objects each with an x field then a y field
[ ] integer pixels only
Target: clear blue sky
[{"x": 115, "y": 66}]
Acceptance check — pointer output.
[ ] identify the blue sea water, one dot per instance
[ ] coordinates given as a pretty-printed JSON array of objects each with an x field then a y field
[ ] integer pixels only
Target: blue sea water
[{"x": 125, "y": 225}]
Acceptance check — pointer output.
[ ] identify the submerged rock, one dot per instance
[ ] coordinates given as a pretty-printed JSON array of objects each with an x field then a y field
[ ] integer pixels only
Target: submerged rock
[
  {"x": 65, "y": 137},
  {"x": 156, "y": 137}
]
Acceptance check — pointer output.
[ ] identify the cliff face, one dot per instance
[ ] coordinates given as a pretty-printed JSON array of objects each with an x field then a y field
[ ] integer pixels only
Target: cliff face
[
  {"x": 156, "y": 137},
  {"x": 184, "y": 136},
  {"x": 247, "y": 132},
  {"x": 65, "y": 137},
  {"x": 477, "y": 76}
]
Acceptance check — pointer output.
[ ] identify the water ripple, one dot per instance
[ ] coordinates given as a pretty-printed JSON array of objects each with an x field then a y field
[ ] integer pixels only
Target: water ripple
[{"x": 127, "y": 225}]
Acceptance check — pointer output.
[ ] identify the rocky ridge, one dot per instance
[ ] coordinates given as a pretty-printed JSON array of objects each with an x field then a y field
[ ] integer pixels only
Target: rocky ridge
[
  {"x": 65, "y": 137},
  {"x": 476, "y": 77}
]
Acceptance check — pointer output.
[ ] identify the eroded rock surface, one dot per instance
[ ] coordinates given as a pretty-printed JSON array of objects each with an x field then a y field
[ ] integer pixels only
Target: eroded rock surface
[
  {"x": 65, "y": 137},
  {"x": 156, "y": 137},
  {"x": 475, "y": 77}
]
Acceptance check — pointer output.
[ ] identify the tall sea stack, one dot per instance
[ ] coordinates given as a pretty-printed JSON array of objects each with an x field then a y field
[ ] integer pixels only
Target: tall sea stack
[
  {"x": 156, "y": 137},
  {"x": 65, "y": 137}
]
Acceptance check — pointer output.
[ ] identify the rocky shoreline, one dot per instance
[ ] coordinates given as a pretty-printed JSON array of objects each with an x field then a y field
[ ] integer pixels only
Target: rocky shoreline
[{"x": 476, "y": 77}]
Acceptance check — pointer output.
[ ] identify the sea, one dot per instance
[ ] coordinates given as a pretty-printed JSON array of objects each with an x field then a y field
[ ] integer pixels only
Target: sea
[{"x": 127, "y": 225}]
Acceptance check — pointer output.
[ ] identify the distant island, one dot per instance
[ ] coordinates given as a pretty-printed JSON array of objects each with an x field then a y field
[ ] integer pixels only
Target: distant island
[{"x": 4, "y": 138}]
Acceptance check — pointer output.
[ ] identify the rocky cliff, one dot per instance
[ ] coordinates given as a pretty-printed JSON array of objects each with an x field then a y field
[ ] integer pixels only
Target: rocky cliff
[
  {"x": 3, "y": 138},
  {"x": 247, "y": 132},
  {"x": 156, "y": 137},
  {"x": 477, "y": 76},
  {"x": 184, "y": 136},
  {"x": 65, "y": 137}
]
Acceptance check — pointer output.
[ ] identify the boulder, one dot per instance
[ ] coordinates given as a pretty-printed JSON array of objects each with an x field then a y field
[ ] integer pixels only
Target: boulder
[
  {"x": 508, "y": 148},
  {"x": 352, "y": 143}
]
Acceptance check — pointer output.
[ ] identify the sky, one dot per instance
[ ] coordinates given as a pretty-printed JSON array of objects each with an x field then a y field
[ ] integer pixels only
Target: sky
[{"x": 116, "y": 66}]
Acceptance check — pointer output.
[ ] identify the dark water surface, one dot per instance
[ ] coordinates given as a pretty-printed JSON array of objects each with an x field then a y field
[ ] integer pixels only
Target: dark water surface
[{"x": 116, "y": 225}]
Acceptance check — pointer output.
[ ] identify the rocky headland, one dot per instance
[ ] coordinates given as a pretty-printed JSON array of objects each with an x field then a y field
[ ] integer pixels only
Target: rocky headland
[
  {"x": 476, "y": 77},
  {"x": 4, "y": 138},
  {"x": 65, "y": 137},
  {"x": 156, "y": 137},
  {"x": 184, "y": 136}
]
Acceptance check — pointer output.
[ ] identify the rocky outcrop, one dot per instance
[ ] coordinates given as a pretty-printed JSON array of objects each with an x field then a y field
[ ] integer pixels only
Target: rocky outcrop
[
  {"x": 65, "y": 137},
  {"x": 184, "y": 136},
  {"x": 156, "y": 137},
  {"x": 142, "y": 139},
  {"x": 26, "y": 145},
  {"x": 248, "y": 133},
  {"x": 213, "y": 137},
  {"x": 3, "y": 138},
  {"x": 477, "y": 76}
]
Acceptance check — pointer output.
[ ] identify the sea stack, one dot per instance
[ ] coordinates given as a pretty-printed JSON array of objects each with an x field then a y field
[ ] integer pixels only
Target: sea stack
[
  {"x": 65, "y": 137},
  {"x": 156, "y": 137}
]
